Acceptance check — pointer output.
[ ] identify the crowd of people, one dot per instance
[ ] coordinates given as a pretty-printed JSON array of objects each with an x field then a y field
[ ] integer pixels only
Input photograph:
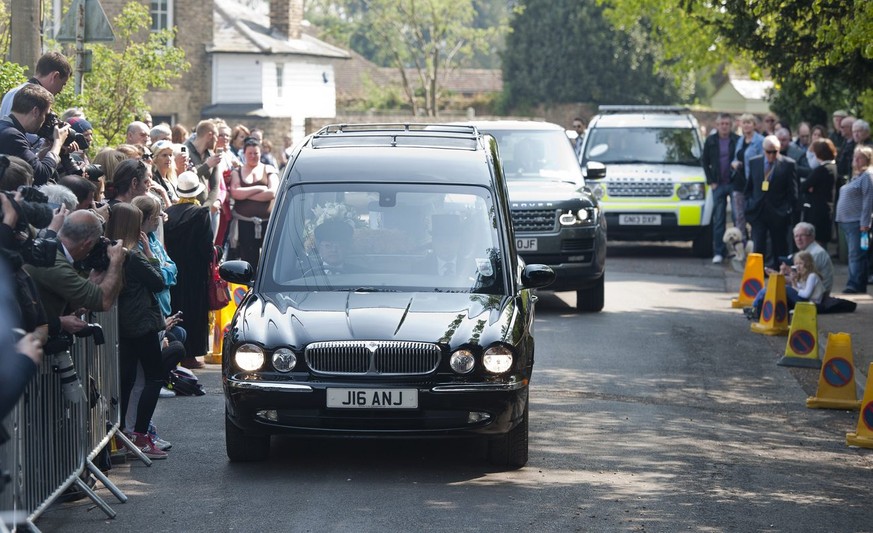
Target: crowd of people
[
  {"x": 134, "y": 225},
  {"x": 773, "y": 180}
]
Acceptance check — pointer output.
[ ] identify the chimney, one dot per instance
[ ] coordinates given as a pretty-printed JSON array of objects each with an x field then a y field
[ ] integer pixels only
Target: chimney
[{"x": 286, "y": 17}]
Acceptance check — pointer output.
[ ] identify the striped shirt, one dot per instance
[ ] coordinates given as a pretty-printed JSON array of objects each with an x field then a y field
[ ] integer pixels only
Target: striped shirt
[{"x": 856, "y": 200}]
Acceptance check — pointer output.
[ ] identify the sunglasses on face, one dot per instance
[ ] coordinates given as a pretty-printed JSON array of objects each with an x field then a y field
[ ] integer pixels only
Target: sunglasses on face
[{"x": 771, "y": 151}]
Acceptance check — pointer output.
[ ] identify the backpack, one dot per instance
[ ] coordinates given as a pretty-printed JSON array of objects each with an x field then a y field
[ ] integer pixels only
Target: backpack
[{"x": 184, "y": 383}]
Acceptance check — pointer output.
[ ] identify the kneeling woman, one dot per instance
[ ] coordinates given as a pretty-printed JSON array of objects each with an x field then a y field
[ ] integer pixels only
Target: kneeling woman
[{"x": 139, "y": 322}]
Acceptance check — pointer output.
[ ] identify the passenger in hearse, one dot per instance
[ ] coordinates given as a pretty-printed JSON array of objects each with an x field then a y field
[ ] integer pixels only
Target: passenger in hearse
[{"x": 445, "y": 258}]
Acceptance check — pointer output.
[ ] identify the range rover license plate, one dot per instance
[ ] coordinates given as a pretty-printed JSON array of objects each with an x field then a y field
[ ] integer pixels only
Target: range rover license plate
[
  {"x": 526, "y": 244},
  {"x": 372, "y": 398},
  {"x": 640, "y": 220}
]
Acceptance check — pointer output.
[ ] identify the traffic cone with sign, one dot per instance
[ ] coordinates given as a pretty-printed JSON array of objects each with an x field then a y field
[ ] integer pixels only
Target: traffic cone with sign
[
  {"x": 802, "y": 346},
  {"x": 774, "y": 309},
  {"x": 863, "y": 436},
  {"x": 753, "y": 281},
  {"x": 836, "y": 382}
]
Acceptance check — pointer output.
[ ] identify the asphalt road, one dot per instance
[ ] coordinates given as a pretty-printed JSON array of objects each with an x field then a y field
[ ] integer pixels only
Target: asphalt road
[{"x": 662, "y": 413}]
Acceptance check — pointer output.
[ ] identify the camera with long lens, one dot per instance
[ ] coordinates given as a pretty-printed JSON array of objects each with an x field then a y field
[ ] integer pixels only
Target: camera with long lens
[
  {"x": 70, "y": 384},
  {"x": 98, "y": 258},
  {"x": 47, "y": 131}
]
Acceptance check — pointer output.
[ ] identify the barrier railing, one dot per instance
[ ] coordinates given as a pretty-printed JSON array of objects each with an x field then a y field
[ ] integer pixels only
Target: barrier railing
[{"x": 58, "y": 429}]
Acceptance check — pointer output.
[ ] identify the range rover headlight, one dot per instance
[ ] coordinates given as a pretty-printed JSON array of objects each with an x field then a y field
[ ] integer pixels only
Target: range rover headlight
[
  {"x": 581, "y": 216},
  {"x": 284, "y": 360},
  {"x": 691, "y": 191},
  {"x": 497, "y": 359},
  {"x": 249, "y": 357},
  {"x": 462, "y": 361}
]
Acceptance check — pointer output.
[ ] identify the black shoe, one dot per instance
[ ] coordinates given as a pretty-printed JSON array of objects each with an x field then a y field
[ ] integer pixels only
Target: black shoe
[
  {"x": 752, "y": 313},
  {"x": 850, "y": 290}
]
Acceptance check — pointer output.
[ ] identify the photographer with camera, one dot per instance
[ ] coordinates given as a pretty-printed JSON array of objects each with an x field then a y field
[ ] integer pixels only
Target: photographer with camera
[{"x": 30, "y": 108}]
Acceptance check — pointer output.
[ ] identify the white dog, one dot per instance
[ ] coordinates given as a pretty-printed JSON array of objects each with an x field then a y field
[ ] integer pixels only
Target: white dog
[{"x": 733, "y": 238}]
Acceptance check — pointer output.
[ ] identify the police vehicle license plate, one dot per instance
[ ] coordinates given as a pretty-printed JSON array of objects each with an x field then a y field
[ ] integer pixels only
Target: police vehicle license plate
[
  {"x": 372, "y": 398},
  {"x": 640, "y": 220},
  {"x": 526, "y": 244}
]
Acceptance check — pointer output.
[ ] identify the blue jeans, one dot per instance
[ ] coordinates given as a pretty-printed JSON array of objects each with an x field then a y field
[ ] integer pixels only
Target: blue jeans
[
  {"x": 719, "y": 218},
  {"x": 857, "y": 257},
  {"x": 791, "y": 297}
]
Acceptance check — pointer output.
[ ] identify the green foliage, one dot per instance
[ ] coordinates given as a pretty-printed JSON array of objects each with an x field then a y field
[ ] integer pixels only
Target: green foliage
[
  {"x": 423, "y": 39},
  {"x": 113, "y": 93},
  {"x": 564, "y": 51},
  {"x": 818, "y": 52},
  {"x": 11, "y": 76}
]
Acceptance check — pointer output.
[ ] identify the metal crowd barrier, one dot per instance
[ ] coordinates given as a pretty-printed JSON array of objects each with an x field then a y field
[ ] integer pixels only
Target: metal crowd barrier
[{"x": 55, "y": 440}]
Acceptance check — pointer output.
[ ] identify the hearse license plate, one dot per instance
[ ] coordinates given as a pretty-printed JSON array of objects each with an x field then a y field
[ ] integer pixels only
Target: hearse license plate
[
  {"x": 640, "y": 220},
  {"x": 372, "y": 398},
  {"x": 526, "y": 244}
]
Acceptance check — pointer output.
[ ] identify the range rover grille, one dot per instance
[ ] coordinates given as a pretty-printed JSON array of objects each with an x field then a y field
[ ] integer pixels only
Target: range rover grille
[
  {"x": 385, "y": 358},
  {"x": 534, "y": 219}
]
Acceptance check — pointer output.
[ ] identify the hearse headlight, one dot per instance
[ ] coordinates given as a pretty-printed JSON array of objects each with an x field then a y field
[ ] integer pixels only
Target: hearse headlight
[
  {"x": 284, "y": 360},
  {"x": 691, "y": 191},
  {"x": 497, "y": 359},
  {"x": 462, "y": 361},
  {"x": 598, "y": 190},
  {"x": 249, "y": 357}
]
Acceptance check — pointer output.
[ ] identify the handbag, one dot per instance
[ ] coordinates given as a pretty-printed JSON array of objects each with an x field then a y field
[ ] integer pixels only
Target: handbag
[{"x": 217, "y": 291}]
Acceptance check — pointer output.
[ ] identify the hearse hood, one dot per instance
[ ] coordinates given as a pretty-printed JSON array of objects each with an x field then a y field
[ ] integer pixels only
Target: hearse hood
[{"x": 298, "y": 318}]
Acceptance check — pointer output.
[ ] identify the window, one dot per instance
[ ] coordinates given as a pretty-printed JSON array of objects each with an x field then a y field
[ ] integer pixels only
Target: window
[
  {"x": 162, "y": 15},
  {"x": 387, "y": 238},
  {"x": 280, "y": 78}
]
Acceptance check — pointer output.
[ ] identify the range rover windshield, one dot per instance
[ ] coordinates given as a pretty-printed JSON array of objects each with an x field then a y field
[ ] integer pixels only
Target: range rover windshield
[
  {"x": 386, "y": 238},
  {"x": 532, "y": 154},
  {"x": 642, "y": 145}
]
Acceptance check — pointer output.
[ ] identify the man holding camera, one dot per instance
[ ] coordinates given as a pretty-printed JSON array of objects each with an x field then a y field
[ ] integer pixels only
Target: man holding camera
[
  {"x": 62, "y": 290},
  {"x": 30, "y": 107}
]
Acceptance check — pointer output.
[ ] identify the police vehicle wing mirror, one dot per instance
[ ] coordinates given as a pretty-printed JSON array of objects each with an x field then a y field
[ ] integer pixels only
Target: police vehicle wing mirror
[{"x": 595, "y": 170}]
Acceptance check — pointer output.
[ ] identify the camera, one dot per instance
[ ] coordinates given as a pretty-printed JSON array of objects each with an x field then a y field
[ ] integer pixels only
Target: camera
[
  {"x": 98, "y": 258},
  {"x": 92, "y": 330},
  {"x": 47, "y": 131}
]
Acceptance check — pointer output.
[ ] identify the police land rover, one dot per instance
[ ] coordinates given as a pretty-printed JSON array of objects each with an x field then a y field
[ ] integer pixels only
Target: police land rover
[{"x": 654, "y": 188}]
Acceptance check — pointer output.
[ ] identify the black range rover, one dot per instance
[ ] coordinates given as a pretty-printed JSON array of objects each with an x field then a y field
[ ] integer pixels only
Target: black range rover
[
  {"x": 390, "y": 300},
  {"x": 558, "y": 221}
]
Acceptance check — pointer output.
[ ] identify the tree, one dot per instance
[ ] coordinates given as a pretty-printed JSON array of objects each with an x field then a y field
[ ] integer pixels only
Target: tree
[
  {"x": 424, "y": 40},
  {"x": 113, "y": 92},
  {"x": 818, "y": 50},
  {"x": 564, "y": 51},
  {"x": 11, "y": 74}
]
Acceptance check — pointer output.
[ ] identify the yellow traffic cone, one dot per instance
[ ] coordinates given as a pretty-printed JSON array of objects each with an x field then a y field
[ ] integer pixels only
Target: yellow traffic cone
[
  {"x": 836, "y": 382},
  {"x": 802, "y": 346},
  {"x": 774, "y": 309},
  {"x": 863, "y": 436},
  {"x": 753, "y": 281}
]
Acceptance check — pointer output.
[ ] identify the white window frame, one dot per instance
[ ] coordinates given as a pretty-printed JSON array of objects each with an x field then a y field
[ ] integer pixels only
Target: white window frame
[{"x": 169, "y": 6}]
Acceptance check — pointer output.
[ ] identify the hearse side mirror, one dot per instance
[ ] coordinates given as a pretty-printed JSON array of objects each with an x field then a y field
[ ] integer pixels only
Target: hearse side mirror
[
  {"x": 239, "y": 272},
  {"x": 595, "y": 170},
  {"x": 537, "y": 276}
]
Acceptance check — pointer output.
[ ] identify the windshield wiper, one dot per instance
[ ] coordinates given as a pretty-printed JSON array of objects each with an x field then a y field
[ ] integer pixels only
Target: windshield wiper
[{"x": 372, "y": 289}]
